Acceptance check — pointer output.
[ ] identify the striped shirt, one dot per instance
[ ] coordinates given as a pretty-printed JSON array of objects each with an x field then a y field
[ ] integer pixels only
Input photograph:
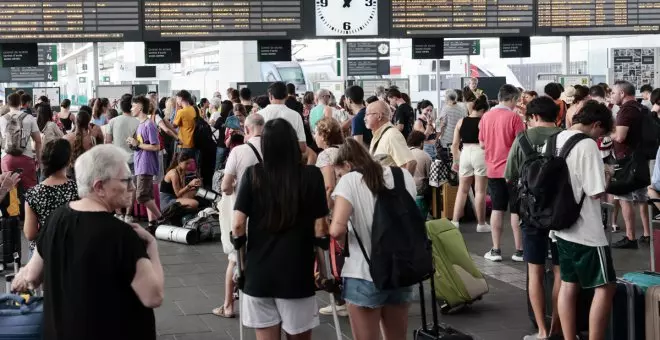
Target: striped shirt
[{"x": 452, "y": 114}]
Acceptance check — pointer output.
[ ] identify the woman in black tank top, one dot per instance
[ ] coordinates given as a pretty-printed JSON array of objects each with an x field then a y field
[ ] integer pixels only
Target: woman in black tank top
[
  {"x": 470, "y": 163},
  {"x": 173, "y": 187}
]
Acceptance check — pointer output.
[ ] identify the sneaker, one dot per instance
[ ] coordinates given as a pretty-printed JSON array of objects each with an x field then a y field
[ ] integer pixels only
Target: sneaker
[
  {"x": 455, "y": 223},
  {"x": 535, "y": 336},
  {"x": 483, "y": 228},
  {"x": 128, "y": 219},
  {"x": 645, "y": 240},
  {"x": 151, "y": 227},
  {"x": 327, "y": 310},
  {"x": 494, "y": 255},
  {"x": 615, "y": 228},
  {"x": 517, "y": 256},
  {"x": 625, "y": 243}
]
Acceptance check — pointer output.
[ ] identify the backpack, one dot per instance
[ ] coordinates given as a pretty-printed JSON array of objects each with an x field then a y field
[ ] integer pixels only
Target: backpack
[
  {"x": 206, "y": 226},
  {"x": 401, "y": 253},
  {"x": 13, "y": 141},
  {"x": 203, "y": 135},
  {"x": 545, "y": 194},
  {"x": 650, "y": 133}
]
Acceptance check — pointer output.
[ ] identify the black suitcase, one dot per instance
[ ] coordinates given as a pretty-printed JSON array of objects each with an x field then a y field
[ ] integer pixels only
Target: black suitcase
[
  {"x": 627, "y": 320},
  {"x": 10, "y": 242},
  {"x": 437, "y": 331}
]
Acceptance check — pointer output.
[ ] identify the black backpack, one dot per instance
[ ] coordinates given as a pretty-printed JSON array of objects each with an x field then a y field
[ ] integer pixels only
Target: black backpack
[
  {"x": 650, "y": 133},
  {"x": 203, "y": 136},
  {"x": 400, "y": 249},
  {"x": 545, "y": 194}
]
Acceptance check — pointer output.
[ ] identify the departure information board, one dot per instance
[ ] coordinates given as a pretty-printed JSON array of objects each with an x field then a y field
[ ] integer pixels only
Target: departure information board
[
  {"x": 475, "y": 18},
  {"x": 222, "y": 20},
  {"x": 59, "y": 21},
  {"x": 580, "y": 17}
]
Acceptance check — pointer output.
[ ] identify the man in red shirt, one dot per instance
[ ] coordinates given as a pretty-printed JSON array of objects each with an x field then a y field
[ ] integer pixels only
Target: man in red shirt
[{"x": 497, "y": 131}]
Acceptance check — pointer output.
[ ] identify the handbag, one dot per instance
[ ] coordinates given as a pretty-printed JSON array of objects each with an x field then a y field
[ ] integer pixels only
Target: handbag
[
  {"x": 20, "y": 319},
  {"x": 630, "y": 173}
]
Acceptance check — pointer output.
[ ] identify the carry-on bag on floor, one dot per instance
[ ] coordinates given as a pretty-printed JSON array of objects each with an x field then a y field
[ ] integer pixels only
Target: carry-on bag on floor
[
  {"x": 655, "y": 236},
  {"x": 10, "y": 242},
  {"x": 653, "y": 313},
  {"x": 436, "y": 331},
  {"x": 584, "y": 298},
  {"x": 21, "y": 316},
  {"x": 626, "y": 319},
  {"x": 458, "y": 281}
]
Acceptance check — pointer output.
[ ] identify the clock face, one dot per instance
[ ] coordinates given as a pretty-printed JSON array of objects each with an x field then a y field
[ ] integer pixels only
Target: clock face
[{"x": 346, "y": 17}]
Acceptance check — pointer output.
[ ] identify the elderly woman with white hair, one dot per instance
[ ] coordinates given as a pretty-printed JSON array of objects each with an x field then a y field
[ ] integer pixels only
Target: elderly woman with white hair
[
  {"x": 102, "y": 276},
  {"x": 448, "y": 118}
]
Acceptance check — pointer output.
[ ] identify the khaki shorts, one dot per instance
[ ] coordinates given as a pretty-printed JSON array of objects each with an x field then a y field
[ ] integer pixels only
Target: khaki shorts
[
  {"x": 472, "y": 162},
  {"x": 295, "y": 315},
  {"x": 145, "y": 188}
]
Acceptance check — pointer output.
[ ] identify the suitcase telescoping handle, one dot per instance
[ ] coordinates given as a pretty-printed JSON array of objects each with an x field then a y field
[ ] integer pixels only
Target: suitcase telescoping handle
[{"x": 434, "y": 306}]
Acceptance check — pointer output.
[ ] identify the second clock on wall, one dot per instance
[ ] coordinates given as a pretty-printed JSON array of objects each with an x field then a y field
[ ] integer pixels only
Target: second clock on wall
[{"x": 346, "y": 18}]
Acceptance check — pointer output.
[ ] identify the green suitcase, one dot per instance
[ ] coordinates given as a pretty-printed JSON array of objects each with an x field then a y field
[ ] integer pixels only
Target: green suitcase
[{"x": 458, "y": 282}]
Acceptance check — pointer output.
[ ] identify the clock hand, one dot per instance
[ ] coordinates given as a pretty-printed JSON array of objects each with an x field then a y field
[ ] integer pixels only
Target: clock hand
[{"x": 347, "y": 3}]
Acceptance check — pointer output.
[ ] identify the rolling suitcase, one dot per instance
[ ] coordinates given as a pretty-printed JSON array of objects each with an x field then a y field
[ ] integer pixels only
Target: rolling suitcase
[
  {"x": 10, "y": 242},
  {"x": 459, "y": 282},
  {"x": 626, "y": 320},
  {"x": 653, "y": 313},
  {"x": 436, "y": 331},
  {"x": 655, "y": 236}
]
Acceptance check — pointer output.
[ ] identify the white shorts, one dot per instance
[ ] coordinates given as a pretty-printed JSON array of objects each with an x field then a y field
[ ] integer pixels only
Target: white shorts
[
  {"x": 472, "y": 162},
  {"x": 296, "y": 315}
]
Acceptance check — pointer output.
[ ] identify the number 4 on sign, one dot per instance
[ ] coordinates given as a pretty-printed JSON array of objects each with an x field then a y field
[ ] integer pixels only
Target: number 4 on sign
[{"x": 347, "y": 3}]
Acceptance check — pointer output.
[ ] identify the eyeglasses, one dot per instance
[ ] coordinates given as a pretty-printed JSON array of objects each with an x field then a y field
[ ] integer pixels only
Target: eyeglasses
[{"x": 130, "y": 181}]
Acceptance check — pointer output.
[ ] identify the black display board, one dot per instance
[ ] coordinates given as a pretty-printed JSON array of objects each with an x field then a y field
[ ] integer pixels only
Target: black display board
[
  {"x": 19, "y": 55},
  {"x": 368, "y": 67},
  {"x": 368, "y": 49},
  {"x": 222, "y": 20},
  {"x": 162, "y": 52},
  {"x": 428, "y": 48},
  {"x": 601, "y": 17},
  {"x": 273, "y": 50},
  {"x": 515, "y": 47},
  {"x": 145, "y": 72},
  {"x": 453, "y": 18},
  {"x": 61, "y": 21}
]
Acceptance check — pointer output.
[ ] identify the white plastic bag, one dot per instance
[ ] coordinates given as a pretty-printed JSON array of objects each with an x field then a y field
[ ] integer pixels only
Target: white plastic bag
[{"x": 226, "y": 210}]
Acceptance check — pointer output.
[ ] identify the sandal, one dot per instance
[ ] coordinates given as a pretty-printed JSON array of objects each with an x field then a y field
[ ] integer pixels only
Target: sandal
[{"x": 220, "y": 311}]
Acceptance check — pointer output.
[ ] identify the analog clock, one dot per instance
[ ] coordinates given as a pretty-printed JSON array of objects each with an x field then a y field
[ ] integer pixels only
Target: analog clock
[{"x": 346, "y": 17}]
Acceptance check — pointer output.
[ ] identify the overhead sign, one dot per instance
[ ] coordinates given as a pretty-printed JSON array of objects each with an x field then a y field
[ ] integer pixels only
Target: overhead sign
[
  {"x": 371, "y": 67},
  {"x": 162, "y": 52},
  {"x": 452, "y": 18},
  {"x": 515, "y": 47},
  {"x": 273, "y": 50},
  {"x": 47, "y": 54},
  {"x": 19, "y": 55},
  {"x": 462, "y": 47},
  {"x": 43, "y": 73},
  {"x": 368, "y": 49},
  {"x": 60, "y": 21},
  {"x": 597, "y": 17},
  {"x": 222, "y": 20},
  {"x": 427, "y": 48}
]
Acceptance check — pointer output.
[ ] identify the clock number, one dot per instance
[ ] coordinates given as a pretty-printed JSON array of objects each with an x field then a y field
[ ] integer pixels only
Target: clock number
[
  {"x": 347, "y": 26},
  {"x": 368, "y": 3},
  {"x": 323, "y": 3}
]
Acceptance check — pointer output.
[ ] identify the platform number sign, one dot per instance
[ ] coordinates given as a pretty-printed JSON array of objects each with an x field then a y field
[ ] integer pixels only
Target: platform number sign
[{"x": 346, "y": 17}]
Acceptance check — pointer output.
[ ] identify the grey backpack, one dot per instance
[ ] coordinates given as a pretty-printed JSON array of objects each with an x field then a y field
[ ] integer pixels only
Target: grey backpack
[{"x": 14, "y": 140}]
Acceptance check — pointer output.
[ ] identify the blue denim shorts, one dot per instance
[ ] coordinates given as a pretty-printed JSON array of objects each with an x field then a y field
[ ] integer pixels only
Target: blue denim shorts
[{"x": 364, "y": 293}]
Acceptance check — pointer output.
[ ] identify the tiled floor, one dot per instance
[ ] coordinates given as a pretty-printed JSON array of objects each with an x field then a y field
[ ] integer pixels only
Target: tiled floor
[{"x": 195, "y": 284}]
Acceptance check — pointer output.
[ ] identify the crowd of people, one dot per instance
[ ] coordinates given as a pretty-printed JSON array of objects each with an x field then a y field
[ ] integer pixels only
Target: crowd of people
[{"x": 297, "y": 169}]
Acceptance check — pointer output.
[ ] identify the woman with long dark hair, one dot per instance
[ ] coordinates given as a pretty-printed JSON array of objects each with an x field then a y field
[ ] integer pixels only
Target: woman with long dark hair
[
  {"x": 425, "y": 124},
  {"x": 82, "y": 139},
  {"x": 173, "y": 188},
  {"x": 355, "y": 199},
  {"x": 99, "y": 111},
  {"x": 286, "y": 206},
  {"x": 49, "y": 129}
]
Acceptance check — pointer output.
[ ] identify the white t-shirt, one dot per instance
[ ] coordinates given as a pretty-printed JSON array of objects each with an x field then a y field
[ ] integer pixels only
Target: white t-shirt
[
  {"x": 242, "y": 157},
  {"x": 354, "y": 190},
  {"x": 274, "y": 111},
  {"x": 587, "y": 176},
  {"x": 29, "y": 127}
]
